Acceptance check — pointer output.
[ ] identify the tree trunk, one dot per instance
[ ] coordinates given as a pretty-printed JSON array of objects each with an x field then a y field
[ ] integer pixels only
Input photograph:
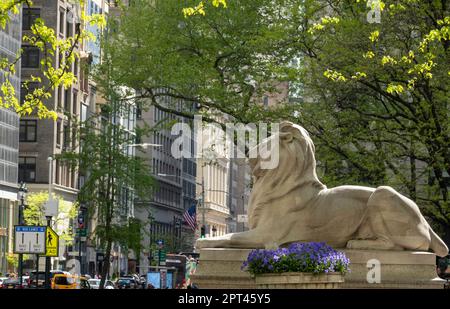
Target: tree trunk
[{"x": 106, "y": 264}]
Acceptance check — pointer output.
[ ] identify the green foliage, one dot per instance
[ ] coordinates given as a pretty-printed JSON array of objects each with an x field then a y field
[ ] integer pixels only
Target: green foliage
[
  {"x": 200, "y": 7},
  {"x": 374, "y": 96},
  {"x": 223, "y": 62},
  {"x": 34, "y": 213},
  {"x": 377, "y": 97},
  {"x": 13, "y": 260},
  {"x": 50, "y": 46}
]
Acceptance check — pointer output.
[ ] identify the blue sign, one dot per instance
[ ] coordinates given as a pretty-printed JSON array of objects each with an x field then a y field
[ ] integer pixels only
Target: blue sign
[
  {"x": 29, "y": 239},
  {"x": 37, "y": 229},
  {"x": 160, "y": 242},
  {"x": 155, "y": 279}
]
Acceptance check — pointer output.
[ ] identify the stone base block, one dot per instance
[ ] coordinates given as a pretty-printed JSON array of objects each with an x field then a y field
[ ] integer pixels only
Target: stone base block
[
  {"x": 221, "y": 269},
  {"x": 299, "y": 281}
]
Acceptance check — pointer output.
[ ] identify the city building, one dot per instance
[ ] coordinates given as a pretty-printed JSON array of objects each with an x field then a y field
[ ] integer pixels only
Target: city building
[
  {"x": 92, "y": 256},
  {"x": 214, "y": 212},
  {"x": 44, "y": 138},
  {"x": 240, "y": 185},
  {"x": 175, "y": 191},
  {"x": 214, "y": 172},
  {"x": 10, "y": 40}
]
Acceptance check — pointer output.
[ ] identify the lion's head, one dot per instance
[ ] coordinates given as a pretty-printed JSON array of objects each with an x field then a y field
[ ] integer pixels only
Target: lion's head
[{"x": 296, "y": 167}]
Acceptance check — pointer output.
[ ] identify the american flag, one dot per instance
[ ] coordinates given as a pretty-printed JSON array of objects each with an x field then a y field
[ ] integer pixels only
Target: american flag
[{"x": 190, "y": 216}]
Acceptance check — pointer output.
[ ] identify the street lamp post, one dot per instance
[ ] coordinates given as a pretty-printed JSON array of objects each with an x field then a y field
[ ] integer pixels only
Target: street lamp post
[
  {"x": 202, "y": 184},
  {"x": 22, "y": 191},
  {"x": 49, "y": 221}
]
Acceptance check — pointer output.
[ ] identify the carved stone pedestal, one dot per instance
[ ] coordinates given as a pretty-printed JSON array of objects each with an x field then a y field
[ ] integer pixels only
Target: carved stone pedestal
[{"x": 221, "y": 269}]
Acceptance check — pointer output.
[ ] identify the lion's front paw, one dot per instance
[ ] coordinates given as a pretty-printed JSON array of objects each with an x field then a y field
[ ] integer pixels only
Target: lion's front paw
[{"x": 213, "y": 242}]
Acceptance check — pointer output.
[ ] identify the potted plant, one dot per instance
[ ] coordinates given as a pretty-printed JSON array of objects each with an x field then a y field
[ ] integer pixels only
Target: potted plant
[{"x": 299, "y": 266}]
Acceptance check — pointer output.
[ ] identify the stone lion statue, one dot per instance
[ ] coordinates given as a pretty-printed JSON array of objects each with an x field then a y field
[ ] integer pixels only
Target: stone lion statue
[{"x": 290, "y": 204}]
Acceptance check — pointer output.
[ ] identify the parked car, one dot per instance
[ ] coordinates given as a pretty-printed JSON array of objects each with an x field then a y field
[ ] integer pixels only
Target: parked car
[
  {"x": 83, "y": 283},
  {"x": 127, "y": 283},
  {"x": 1, "y": 280},
  {"x": 109, "y": 285},
  {"x": 12, "y": 283},
  {"x": 25, "y": 280},
  {"x": 144, "y": 281},
  {"x": 95, "y": 284}
]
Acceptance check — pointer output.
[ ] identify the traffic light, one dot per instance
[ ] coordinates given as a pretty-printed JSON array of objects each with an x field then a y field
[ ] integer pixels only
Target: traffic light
[{"x": 203, "y": 232}]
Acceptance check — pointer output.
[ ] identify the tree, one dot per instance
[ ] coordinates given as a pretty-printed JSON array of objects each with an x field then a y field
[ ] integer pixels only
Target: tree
[
  {"x": 373, "y": 95},
  {"x": 222, "y": 62},
  {"x": 113, "y": 178},
  {"x": 34, "y": 214},
  {"x": 377, "y": 95},
  {"x": 50, "y": 46}
]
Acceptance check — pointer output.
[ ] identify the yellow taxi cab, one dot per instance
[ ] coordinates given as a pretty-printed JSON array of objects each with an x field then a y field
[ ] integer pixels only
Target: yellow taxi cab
[
  {"x": 72, "y": 282},
  {"x": 63, "y": 282}
]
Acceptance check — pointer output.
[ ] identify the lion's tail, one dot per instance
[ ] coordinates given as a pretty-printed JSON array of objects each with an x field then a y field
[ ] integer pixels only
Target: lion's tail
[{"x": 438, "y": 245}]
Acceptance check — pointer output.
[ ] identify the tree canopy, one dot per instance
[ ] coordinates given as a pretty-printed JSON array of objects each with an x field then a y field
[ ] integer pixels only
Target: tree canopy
[
  {"x": 374, "y": 95},
  {"x": 52, "y": 74}
]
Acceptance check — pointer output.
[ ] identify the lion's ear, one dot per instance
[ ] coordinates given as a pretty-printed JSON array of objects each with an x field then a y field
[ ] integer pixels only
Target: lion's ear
[
  {"x": 285, "y": 125},
  {"x": 286, "y": 136}
]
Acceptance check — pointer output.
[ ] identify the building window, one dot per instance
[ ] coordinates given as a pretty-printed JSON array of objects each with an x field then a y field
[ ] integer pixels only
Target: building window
[
  {"x": 27, "y": 169},
  {"x": 61, "y": 22},
  {"x": 74, "y": 101},
  {"x": 28, "y": 130},
  {"x": 59, "y": 97},
  {"x": 66, "y": 138},
  {"x": 57, "y": 172},
  {"x": 68, "y": 26},
  {"x": 29, "y": 16},
  {"x": 75, "y": 68},
  {"x": 30, "y": 57},
  {"x": 58, "y": 133},
  {"x": 84, "y": 110},
  {"x": 67, "y": 100}
]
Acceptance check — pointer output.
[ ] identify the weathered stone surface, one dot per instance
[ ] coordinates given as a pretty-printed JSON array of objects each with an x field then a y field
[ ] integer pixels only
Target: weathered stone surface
[
  {"x": 221, "y": 268},
  {"x": 298, "y": 281},
  {"x": 289, "y": 204}
]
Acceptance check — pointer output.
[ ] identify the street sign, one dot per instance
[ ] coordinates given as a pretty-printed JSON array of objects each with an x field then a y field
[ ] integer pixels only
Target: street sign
[
  {"x": 160, "y": 256},
  {"x": 29, "y": 239},
  {"x": 160, "y": 243},
  {"x": 82, "y": 232},
  {"x": 52, "y": 241}
]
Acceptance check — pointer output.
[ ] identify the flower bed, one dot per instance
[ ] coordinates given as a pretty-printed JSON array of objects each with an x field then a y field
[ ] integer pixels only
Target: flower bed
[{"x": 316, "y": 265}]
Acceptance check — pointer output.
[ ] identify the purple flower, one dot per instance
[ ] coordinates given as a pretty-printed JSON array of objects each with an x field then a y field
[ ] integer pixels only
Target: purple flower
[{"x": 315, "y": 257}]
